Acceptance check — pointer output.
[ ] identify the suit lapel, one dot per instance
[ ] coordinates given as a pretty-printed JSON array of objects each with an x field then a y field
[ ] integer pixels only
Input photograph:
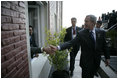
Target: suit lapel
[
  {"x": 97, "y": 36},
  {"x": 77, "y": 30},
  {"x": 70, "y": 32},
  {"x": 87, "y": 38}
]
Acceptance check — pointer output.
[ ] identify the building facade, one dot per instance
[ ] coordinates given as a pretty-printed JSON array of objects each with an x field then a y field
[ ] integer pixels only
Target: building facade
[
  {"x": 14, "y": 57},
  {"x": 16, "y": 16}
]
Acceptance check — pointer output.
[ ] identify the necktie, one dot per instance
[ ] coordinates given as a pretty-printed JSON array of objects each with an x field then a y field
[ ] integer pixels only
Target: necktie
[{"x": 92, "y": 37}]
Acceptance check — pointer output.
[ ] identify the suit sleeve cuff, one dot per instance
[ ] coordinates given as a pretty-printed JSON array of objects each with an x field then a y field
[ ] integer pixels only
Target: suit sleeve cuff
[
  {"x": 58, "y": 47},
  {"x": 42, "y": 49}
]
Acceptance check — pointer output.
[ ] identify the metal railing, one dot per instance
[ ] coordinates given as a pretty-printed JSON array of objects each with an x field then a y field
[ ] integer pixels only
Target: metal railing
[{"x": 112, "y": 27}]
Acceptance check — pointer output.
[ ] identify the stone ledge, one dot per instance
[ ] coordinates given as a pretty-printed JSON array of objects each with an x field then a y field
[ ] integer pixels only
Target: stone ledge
[{"x": 106, "y": 72}]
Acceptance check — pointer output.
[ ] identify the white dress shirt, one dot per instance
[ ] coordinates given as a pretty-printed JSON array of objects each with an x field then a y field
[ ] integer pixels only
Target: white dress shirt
[{"x": 94, "y": 34}]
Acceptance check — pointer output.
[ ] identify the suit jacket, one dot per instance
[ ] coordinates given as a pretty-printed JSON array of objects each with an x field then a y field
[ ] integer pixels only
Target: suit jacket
[
  {"x": 33, "y": 47},
  {"x": 90, "y": 55},
  {"x": 32, "y": 41},
  {"x": 35, "y": 50},
  {"x": 68, "y": 37}
]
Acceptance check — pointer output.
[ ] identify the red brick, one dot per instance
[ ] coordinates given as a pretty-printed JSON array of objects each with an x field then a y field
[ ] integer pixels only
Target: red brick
[
  {"x": 24, "y": 46},
  {"x": 16, "y": 75},
  {"x": 22, "y": 4},
  {"x": 6, "y": 34},
  {"x": 18, "y": 61},
  {"x": 14, "y": 14},
  {"x": 16, "y": 38},
  {"x": 20, "y": 65},
  {"x": 27, "y": 75},
  {"x": 23, "y": 37},
  {"x": 5, "y": 11},
  {"x": 10, "y": 40},
  {"x": 21, "y": 9},
  {"x": 5, "y": 4},
  {"x": 18, "y": 20},
  {"x": 10, "y": 27},
  {"x": 11, "y": 73},
  {"x": 19, "y": 32},
  {"x": 4, "y": 65},
  {"x": 13, "y": 39},
  {"x": 26, "y": 71},
  {"x": 25, "y": 55},
  {"x": 7, "y": 63},
  {"x": 5, "y": 19},
  {"x": 14, "y": 7},
  {"x": 20, "y": 54},
  {"x": 22, "y": 32},
  {"x": 25, "y": 51},
  {"x": 22, "y": 15},
  {"x": 3, "y": 72},
  {"x": 7, "y": 49},
  {"x": 2, "y": 58},
  {"x": 7, "y": 41},
  {"x": 12, "y": 53},
  {"x": 25, "y": 63},
  {"x": 11, "y": 66},
  {"x": 8, "y": 55},
  {"x": 21, "y": 75},
  {"x": 9, "y": 12},
  {"x": 13, "y": 3},
  {"x": 15, "y": 51},
  {"x": 22, "y": 27},
  {"x": 20, "y": 43},
  {"x": 16, "y": 32}
]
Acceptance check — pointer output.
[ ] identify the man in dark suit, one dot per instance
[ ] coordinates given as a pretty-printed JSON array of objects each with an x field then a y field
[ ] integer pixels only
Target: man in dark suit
[
  {"x": 32, "y": 42},
  {"x": 71, "y": 33},
  {"x": 92, "y": 43},
  {"x": 32, "y": 39},
  {"x": 35, "y": 50},
  {"x": 98, "y": 24}
]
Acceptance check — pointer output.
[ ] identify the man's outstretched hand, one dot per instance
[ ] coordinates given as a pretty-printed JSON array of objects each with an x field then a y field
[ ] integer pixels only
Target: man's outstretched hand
[
  {"x": 53, "y": 48},
  {"x": 48, "y": 50}
]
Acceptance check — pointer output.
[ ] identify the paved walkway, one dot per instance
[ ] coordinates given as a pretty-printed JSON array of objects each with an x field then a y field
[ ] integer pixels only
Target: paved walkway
[{"x": 77, "y": 70}]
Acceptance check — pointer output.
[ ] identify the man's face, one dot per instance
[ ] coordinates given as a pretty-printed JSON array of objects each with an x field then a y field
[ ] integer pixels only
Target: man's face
[
  {"x": 98, "y": 25},
  {"x": 88, "y": 23},
  {"x": 73, "y": 22},
  {"x": 30, "y": 30}
]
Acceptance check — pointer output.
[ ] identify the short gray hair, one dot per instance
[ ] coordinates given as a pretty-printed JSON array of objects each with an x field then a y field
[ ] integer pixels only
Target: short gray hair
[
  {"x": 73, "y": 18},
  {"x": 92, "y": 18}
]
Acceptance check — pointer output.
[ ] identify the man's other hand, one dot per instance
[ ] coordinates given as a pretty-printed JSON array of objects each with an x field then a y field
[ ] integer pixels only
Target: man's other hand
[{"x": 107, "y": 62}]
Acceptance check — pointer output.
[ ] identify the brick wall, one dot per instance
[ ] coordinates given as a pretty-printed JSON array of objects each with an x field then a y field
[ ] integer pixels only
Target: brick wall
[{"x": 14, "y": 58}]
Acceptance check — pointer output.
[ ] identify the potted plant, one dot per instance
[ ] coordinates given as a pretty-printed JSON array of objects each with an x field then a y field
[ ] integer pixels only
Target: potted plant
[{"x": 59, "y": 59}]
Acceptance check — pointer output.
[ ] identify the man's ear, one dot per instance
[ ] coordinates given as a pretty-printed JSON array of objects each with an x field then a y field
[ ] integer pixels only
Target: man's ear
[{"x": 93, "y": 24}]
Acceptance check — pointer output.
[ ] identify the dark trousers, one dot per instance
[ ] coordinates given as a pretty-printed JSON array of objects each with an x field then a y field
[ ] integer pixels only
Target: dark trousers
[
  {"x": 87, "y": 73},
  {"x": 72, "y": 60}
]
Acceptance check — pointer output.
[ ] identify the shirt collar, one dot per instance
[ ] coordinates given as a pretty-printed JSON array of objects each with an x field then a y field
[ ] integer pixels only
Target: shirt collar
[
  {"x": 93, "y": 30},
  {"x": 73, "y": 27}
]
